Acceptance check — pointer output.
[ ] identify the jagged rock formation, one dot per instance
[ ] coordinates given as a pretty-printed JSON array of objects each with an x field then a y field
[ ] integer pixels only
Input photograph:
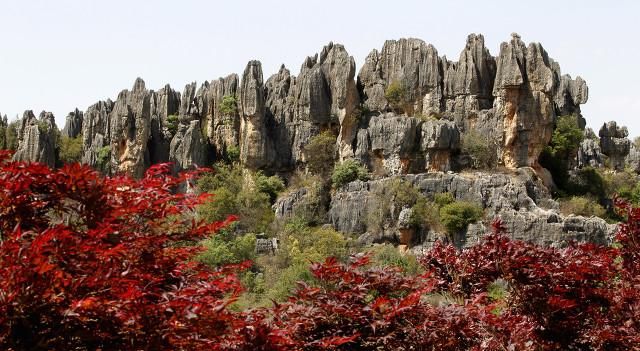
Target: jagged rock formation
[
  {"x": 73, "y": 124},
  {"x": 37, "y": 138},
  {"x": 614, "y": 144},
  {"x": 256, "y": 150},
  {"x": 512, "y": 100}
]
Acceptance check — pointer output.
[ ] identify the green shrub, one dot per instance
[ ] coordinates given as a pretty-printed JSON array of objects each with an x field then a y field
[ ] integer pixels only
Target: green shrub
[
  {"x": 479, "y": 149},
  {"x": 70, "y": 149},
  {"x": 425, "y": 214},
  {"x": 172, "y": 124},
  {"x": 103, "y": 157},
  {"x": 237, "y": 193},
  {"x": 397, "y": 94},
  {"x": 43, "y": 126},
  {"x": 582, "y": 206},
  {"x": 319, "y": 153},
  {"x": 564, "y": 144},
  {"x": 389, "y": 199},
  {"x": 233, "y": 154},
  {"x": 224, "y": 248},
  {"x": 585, "y": 181},
  {"x": 443, "y": 199},
  {"x": 228, "y": 105},
  {"x": 456, "y": 216},
  {"x": 348, "y": 171},
  {"x": 11, "y": 136},
  {"x": 271, "y": 186},
  {"x": 386, "y": 255}
]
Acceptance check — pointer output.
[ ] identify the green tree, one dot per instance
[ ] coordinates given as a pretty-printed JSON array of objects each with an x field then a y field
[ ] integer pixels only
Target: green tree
[
  {"x": 398, "y": 96},
  {"x": 456, "y": 216},
  {"x": 564, "y": 144},
  {"x": 70, "y": 150},
  {"x": 172, "y": 124},
  {"x": 348, "y": 171},
  {"x": 319, "y": 153},
  {"x": 228, "y": 105},
  {"x": 479, "y": 148}
]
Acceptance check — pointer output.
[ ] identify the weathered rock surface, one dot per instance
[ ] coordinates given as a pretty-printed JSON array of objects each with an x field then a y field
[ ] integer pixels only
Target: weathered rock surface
[
  {"x": 187, "y": 148},
  {"x": 164, "y": 103},
  {"x": 614, "y": 144},
  {"x": 130, "y": 130},
  {"x": 590, "y": 154},
  {"x": 519, "y": 200},
  {"x": 96, "y": 135},
  {"x": 256, "y": 150},
  {"x": 37, "y": 138},
  {"x": 73, "y": 124}
]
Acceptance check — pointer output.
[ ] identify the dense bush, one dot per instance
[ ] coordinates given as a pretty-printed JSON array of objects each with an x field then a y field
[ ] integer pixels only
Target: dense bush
[
  {"x": 70, "y": 149},
  {"x": 319, "y": 153},
  {"x": 228, "y": 105},
  {"x": 387, "y": 255},
  {"x": 172, "y": 124},
  {"x": 226, "y": 248},
  {"x": 389, "y": 199},
  {"x": 240, "y": 193},
  {"x": 564, "y": 144},
  {"x": 8, "y": 134},
  {"x": 479, "y": 149},
  {"x": 347, "y": 172},
  {"x": 456, "y": 216},
  {"x": 582, "y": 206},
  {"x": 398, "y": 96}
]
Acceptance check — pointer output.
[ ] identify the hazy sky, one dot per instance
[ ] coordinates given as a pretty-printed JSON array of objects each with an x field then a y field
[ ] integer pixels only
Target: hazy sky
[{"x": 58, "y": 55}]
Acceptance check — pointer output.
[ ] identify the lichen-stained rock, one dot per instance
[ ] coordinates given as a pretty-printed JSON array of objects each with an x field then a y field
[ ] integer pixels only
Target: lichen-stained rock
[
  {"x": 164, "y": 103},
  {"x": 393, "y": 143},
  {"x": 73, "y": 124},
  {"x": 614, "y": 144},
  {"x": 279, "y": 116},
  {"x": 438, "y": 141},
  {"x": 413, "y": 64},
  {"x": 523, "y": 91},
  {"x": 96, "y": 135},
  {"x": 130, "y": 130},
  {"x": 256, "y": 150},
  {"x": 37, "y": 138}
]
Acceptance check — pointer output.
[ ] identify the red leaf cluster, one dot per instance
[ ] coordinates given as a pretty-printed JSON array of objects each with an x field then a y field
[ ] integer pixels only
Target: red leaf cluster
[{"x": 90, "y": 262}]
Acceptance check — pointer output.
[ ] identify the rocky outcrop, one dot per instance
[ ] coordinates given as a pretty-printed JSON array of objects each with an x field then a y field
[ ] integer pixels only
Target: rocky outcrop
[
  {"x": 256, "y": 150},
  {"x": 589, "y": 154},
  {"x": 439, "y": 140},
  {"x": 187, "y": 148},
  {"x": 96, "y": 135},
  {"x": 164, "y": 103},
  {"x": 37, "y": 138},
  {"x": 520, "y": 200},
  {"x": 130, "y": 130},
  {"x": 614, "y": 144},
  {"x": 221, "y": 125},
  {"x": 73, "y": 124},
  {"x": 323, "y": 96}
]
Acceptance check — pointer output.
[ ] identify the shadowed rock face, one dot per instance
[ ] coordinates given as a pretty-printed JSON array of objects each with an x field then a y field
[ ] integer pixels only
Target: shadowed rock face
[
  {"x": 37, "y": 138},
  {"x": 73, "y": 124}
]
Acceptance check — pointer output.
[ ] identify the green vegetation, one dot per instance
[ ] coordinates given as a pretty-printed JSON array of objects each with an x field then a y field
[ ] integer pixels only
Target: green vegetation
[
  {"x": 582, "y": 206},
  {"x": 319, "y": 153},
  {"x": 348, "y": 171},
  {"x": 387, "y": 255},
  {"x": 233, "y": 154},
  {"x": 241, "y": 193},
  {"x": 172, "y": 124},
  {"x": 43, "y": 126},
  {"x": 456, "y": 216},
  {"x": 398, "y": 96},
  {"x": 389, "y": 199},
  {"x": 226, "y": 248},
  {"x": 70, "y": 150},
  {"x": 103, "y": 157},
  {"x": 479, "y": 149},
  {"x": 228, "y": 105},
  {"x": 564, "y": 144}
]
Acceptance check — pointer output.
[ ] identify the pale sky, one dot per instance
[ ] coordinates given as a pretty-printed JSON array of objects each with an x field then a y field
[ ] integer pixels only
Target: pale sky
[{"x": 63, "y": 54}]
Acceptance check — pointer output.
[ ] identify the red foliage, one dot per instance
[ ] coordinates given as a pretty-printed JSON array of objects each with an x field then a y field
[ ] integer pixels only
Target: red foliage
[
  {"x": 88, "y": 262},
  {"x": 96, "y": 263}
]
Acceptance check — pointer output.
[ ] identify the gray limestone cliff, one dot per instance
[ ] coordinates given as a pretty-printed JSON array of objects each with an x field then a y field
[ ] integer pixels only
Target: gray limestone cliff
[{"x": 37, "y": 138}]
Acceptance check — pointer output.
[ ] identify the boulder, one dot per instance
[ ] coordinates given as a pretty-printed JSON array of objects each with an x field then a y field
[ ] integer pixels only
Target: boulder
[{"x": 614, "y": 144}]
